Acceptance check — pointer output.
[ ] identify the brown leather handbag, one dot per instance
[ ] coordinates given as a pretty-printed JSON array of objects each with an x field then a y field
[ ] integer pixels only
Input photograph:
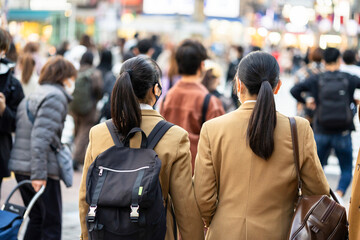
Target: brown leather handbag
[{"x": 316, "y": 217}]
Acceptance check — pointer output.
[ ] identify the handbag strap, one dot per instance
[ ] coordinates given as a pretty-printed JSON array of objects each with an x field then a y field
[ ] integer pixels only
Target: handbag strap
[{"x": 295, "y": 142}]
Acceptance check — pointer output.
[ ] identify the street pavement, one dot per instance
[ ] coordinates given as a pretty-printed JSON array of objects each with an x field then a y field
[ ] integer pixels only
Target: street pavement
[{"x": 285, "y": 104}]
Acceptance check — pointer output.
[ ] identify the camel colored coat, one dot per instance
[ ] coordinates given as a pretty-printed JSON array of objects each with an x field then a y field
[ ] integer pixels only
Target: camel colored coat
[
  {"x": 175, "y": 176},
  {"x": 240, "y": 195},
  {"x": 354, "y": 211}
]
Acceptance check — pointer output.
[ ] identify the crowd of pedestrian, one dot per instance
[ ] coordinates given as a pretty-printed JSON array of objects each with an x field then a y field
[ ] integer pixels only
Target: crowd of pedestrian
[{"x": 226, "y": 159}]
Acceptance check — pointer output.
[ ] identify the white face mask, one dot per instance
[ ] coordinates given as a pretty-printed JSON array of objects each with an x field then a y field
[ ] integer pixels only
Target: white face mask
[
  {"x": 238, "y": 93},
  {"x": 70, "y": 86}
]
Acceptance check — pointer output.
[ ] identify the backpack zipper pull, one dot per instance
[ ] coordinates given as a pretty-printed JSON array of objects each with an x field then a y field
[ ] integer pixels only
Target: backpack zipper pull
[{"x": 101, "y": 171}]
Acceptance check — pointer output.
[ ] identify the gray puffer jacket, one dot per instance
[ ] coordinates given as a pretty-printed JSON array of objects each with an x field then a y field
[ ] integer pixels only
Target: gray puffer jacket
[{"x": 31, "y": 153}]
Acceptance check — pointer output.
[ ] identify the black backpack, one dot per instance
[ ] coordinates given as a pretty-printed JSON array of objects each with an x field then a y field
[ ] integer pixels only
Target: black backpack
[
  {"x": 123, "y": 189},
  {"x": 333, "y": 110}
]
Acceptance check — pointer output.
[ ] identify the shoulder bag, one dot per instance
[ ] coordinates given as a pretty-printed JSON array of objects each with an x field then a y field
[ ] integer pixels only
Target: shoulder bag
[
  {"x": 315, "y": 217},
  {"x": 62, "y": 153}
]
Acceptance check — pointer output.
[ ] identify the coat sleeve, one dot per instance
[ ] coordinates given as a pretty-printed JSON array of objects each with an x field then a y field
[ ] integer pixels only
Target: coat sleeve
[
  {"x": 182, "y": 194},
  {"x": 312, "y": 174},
  {"x": 83, "y": 206},
  {"x": 48, "y": 123},
  {"x": 205, "y": 183},
  {"x": 299, "y": 88},
  {"x": 7, "y": 120}
]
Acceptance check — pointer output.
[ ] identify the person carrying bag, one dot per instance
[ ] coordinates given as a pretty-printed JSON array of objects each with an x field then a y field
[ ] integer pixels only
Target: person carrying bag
[{"x": 245, "y": 179}]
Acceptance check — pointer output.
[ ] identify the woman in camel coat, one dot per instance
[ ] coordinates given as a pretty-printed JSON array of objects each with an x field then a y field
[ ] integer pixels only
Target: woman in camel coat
[
  {"x": 354, "y": 210},
  {"x": 245, "y": 181}
]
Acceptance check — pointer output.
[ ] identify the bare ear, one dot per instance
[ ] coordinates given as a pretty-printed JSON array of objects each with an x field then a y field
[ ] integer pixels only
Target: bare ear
[
  {"x": 157, "y": 90},
  {"x": 277, "y": 87}
]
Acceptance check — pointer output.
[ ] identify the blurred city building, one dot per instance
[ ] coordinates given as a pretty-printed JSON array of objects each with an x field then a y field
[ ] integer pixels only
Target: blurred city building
[{"x": 263, "y": 23}]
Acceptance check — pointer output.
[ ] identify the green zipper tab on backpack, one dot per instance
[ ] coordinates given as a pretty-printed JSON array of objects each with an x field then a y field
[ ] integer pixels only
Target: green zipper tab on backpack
[{"x": 140, "y": 190}]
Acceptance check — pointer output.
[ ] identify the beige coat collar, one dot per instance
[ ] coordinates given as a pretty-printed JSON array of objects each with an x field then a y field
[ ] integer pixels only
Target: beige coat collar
[
  {"x": 247, "y": 105},
  {"x": 151, "y": 113}
]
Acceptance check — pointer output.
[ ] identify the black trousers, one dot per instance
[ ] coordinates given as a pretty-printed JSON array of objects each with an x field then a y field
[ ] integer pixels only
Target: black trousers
[{"x": 46, "y": 215}]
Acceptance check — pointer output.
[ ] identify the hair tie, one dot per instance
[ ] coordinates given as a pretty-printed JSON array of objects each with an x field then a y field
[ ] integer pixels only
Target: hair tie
[
  {"x": 129, "y": 72},
  {"x": 264, "y": 79}
]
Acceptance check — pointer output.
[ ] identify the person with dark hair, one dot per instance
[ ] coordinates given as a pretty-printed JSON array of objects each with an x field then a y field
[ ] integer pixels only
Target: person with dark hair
[
  {"x": 349, "y": 58},
  {"x": 232, "y": 72},
  {"x": 64, "y": 47},
  {"x": 109, "y": 78},
  {"x": 185, "y": 103},
  {"x": 88, "y": 91},
  {"x": 34, "y": 156},
  {"x": 332, "y": 98},
  {"x": 86, "y": 41},
  {"x": 11, "y": 94},
  {"x": 27, "y": 74},
  {"x": 246, "y": 156},
  {"x": 135, "y": 93},
  {"x": 156, "y": 46},
  {"x": 11, "y": 53},
  {"x": 106, "y": 62},
  {"x": 145, "y": 47},
  {"x": 314, "y": 67},
  {"x": 211, "y": 81},
  {"x": 33, "y": 48}
]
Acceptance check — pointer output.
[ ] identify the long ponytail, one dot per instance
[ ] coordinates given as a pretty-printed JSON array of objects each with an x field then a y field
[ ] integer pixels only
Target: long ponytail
[
  {"x": 260, "y": 132},
  {"x": 125, "y": 108},
  {"x": 137, "y": 76},
  {"x": 259, "y": 71},
  {"x": 27, "y": 64}
]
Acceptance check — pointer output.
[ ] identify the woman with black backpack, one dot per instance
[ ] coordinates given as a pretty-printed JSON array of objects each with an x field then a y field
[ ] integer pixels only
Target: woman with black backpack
[{"x": 135, "y": 93}]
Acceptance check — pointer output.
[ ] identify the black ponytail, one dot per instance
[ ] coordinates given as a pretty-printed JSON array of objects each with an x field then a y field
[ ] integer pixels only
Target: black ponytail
[
  {"x": 259, "y": 71},
  {"x": 137, "y": 76},
  {"x": 125, "y": 108}
]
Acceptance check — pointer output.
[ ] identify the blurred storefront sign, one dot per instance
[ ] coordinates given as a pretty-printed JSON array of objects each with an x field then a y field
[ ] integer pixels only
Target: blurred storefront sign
[
  {"x": 212, "y": 8},
  {"x": 222, "y": 8},
  {"x": 185, "y": 7},
  {"x": 305, "y": 3},
  {"x": 54, "y": 5}
]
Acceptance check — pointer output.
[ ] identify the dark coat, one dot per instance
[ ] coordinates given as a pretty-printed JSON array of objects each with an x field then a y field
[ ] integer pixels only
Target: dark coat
[{"x": 13, "y": 92}]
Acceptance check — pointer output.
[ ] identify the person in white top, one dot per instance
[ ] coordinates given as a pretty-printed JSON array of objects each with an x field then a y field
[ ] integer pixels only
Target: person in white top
[
  {"x": 349, "y": 58},
  {"x": 27, "y": 74}
]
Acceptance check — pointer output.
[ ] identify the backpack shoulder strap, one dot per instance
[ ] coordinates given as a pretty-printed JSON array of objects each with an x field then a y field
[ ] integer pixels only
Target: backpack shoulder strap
[
  {"x": 115, "y": 136},
  {"x": 205, "y": 107},
  {"x": 156, "y": 134}
]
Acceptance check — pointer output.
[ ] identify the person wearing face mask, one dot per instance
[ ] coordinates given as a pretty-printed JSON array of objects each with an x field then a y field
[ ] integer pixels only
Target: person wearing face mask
[
  {"x": 134, "y": 95},
  {"x": 245, "y": 182},
  {"x": 33, "y": 155},
  {"x": 11, "y": 94}
]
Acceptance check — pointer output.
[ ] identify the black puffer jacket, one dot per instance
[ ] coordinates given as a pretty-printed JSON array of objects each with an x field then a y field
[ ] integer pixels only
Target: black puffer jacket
[
  {"x": 13, "y": 92},
  {"x": 32, "y": 154}
]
